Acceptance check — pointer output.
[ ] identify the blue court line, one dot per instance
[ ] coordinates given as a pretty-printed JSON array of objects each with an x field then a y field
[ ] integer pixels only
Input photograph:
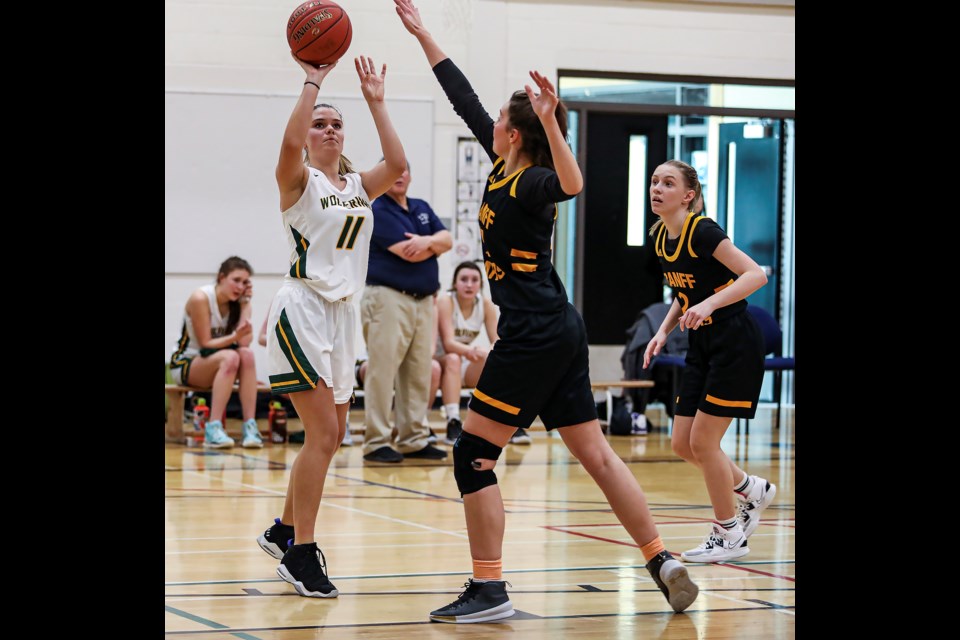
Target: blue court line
[
  {"x": 460, "y": 573},
  {"x": 546, "y": 463},
  {"x": 278, "y": 466},
  {"x": 435, "y": 496},
  {"x": 396, "y": 488},
  {"x": 210, "y": 623},
  {"x": 518, "y": 509},
  {"x": 270, "y": 464},
  {"x": 770, "y": 604},
  {"x": 581, "y": 589},
  {"x": 503, "y": 621},
  {"x": 221, "y": 496},
  {"x": 517, "y": 501},
  {"x": 509, "y": 511}
]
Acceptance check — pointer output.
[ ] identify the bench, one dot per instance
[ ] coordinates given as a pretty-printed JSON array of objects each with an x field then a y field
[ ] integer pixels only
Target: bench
[
  {"x": 173, "y": 430},
  {"x": 606, "y": 385}
]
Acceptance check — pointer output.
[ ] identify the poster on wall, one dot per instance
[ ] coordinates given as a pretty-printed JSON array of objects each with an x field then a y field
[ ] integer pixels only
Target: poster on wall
[
  {"x": 473, "y": 167},
  {"x": 468, "y": 160},
  {"x": 467, "y": 211},
  {"x": 466, "y": 244}
]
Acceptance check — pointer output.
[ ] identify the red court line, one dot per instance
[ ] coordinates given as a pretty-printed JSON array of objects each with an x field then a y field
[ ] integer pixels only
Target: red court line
[
  {"x": 584, "y": 535},
  {"x": 636, "y": 546}
]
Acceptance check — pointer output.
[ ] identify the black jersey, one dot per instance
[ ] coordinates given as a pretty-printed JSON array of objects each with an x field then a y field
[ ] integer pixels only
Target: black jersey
[
  {"x": 516, "y": 214},
  {"x": 690, "y": 268}
]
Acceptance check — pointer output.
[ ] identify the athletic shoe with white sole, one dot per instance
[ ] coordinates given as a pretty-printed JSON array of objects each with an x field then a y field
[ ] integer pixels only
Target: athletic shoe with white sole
[
  {"x": 304, "y": 566},
  {"x": 480, "y": 602},
  {"x": 674, "y": 581},
  {"x": 720, "y": 545},
  {"x": 753, "y": 502}
]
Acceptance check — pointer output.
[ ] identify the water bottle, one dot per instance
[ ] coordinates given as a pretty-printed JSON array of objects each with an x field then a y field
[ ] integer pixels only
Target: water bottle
[
  {"x": 277, "y": 419},
  {"x": 201, "y": 415}
]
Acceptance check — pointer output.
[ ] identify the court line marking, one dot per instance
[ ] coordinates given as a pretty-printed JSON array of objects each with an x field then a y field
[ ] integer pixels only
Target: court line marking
[
  {"x": 758, "y": 608},
  {"x": 220, "y": 597},
  {"x": 542, "y": 589},
  {"x": 424, "y": 574},
  {"x": 350, "y": 509},
  {"x": 217, "y": 627},
  {"x": 636, "y": 546}
]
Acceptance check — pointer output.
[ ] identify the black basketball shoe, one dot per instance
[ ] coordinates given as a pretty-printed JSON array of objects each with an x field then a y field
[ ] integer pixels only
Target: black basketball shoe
[
  {"x": 303, "y": 568},
  {"x": 481, "y": 602},
  {"x": 672, "y": 578}
]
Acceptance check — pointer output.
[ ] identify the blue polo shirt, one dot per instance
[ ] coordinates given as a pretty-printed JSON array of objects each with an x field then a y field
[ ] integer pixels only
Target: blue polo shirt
[{"x": 390, "y": 222}]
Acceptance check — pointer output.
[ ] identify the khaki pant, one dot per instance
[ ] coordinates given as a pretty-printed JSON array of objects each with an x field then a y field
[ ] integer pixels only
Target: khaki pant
[{"x": 398, "y": 331}]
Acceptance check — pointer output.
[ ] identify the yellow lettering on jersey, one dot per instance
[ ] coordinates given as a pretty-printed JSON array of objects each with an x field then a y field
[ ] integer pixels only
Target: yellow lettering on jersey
[
  {"x": 493, "y": 271},
  {"x": 486, "y": 216},
  {"x": 680, "y": 280}
]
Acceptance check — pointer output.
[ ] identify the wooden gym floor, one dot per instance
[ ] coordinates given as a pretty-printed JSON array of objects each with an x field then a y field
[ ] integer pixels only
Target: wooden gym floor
[{"x": 396, "y": 545}]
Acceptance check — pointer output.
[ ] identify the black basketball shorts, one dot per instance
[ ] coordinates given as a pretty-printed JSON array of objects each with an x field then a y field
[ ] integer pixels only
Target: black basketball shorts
[
  {"x": 724, "y": 369},
  {"x": 539, "y": 366}
]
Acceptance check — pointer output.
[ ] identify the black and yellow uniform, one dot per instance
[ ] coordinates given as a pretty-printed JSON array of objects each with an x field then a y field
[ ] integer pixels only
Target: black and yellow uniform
[
  {"x": 724, "y": 369},
  {"x": 539, "y": 365}
]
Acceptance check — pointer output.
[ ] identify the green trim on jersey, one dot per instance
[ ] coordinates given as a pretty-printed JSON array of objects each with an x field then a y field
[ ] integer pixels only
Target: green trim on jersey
[
  {"x": 304, "y": 376},
  {"x": 182, "y": 343},
  {"x": 289, "y": 383},
  {"x": 177, "y": 360},
  {"x": 184, "y": 365},
  {"x": 299, "y": 268}
]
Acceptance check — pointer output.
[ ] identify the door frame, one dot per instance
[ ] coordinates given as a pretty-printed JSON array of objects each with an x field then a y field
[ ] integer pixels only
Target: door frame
[{"x": 586, "y": 108}]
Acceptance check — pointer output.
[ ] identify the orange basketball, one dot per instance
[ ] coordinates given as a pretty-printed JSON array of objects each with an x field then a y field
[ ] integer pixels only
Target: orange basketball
[{"x": 319, "y": 32}]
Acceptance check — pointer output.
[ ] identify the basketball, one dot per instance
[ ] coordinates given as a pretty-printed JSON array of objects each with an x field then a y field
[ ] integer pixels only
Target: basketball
[{"x": 319, "y": 32}]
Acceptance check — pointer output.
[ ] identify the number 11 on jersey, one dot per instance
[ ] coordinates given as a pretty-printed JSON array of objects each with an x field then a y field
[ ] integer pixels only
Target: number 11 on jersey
[{"x": 343, "y": 242}]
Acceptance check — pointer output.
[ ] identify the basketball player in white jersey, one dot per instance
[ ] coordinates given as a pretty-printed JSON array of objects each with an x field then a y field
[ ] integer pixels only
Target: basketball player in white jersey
[
  {"x": 214, "y": 350},
  {"x": 461, "y": 314},
  {"x": 327, "y": 219}
]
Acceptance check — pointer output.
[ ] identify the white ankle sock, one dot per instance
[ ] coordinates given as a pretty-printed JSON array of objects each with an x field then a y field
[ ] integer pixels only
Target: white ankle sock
[
  {"x": 453, "y": 410},
  {"x": 745, "y": 485}
]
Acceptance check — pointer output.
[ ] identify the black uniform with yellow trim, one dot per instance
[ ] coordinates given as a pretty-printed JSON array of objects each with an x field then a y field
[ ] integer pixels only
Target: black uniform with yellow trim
[
  {"x": 539, "y": 365},
  {"x": 724, "y": 369}
]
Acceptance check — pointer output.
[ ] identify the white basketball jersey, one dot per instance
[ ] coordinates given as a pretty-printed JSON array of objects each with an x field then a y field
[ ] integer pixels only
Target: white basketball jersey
[
  {"x": 188, "y": 346},
  {"x": 329, "y": 231},
  {"x": 466, "y": 330}
]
